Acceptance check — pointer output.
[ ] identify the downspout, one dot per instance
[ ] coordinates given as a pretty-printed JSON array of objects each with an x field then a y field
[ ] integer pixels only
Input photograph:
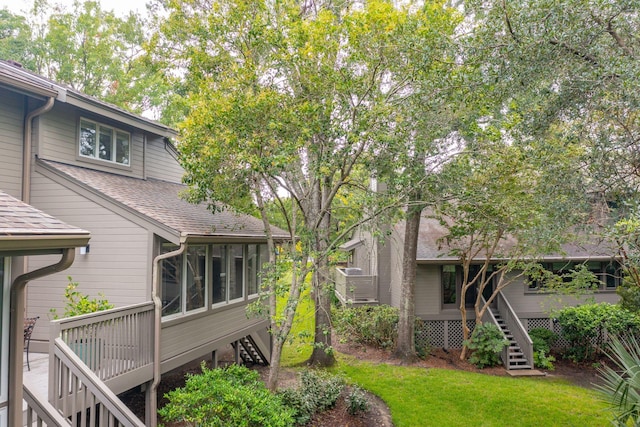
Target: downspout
[
  {"x": 26, "y": 148},
  {"x": 151, "y": 416},
  {"x": 16, "y": 322}
]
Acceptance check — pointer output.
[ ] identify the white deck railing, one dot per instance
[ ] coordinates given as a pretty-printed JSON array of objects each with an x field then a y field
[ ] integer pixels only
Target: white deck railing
[{"x": 39, "y": 412}]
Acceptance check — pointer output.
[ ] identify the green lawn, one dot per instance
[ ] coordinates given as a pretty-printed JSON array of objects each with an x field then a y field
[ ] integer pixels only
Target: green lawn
[{"x": 441, "y": 397}]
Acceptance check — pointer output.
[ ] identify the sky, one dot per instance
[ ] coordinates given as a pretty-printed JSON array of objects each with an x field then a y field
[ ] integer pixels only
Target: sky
[{"x": 120, "y": 7}]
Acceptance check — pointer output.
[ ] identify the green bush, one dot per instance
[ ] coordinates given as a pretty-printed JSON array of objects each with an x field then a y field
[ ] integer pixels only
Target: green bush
[
  {"x": 77, "y": 303},
  {"x": 318, "y": 391},
  {"x": 422, "y": 343},
  {"x": 543, "y": 360},
  {"x": 357, "y": 401},
  {"x": 584, "y": 326},
  {"x": 486, "y": 343},
  {"x": 371, "y": 325},
  {"x": 233, "y": 396},
  {"x": 543, "y": 339},
  {"x": 629, "y": 293}
]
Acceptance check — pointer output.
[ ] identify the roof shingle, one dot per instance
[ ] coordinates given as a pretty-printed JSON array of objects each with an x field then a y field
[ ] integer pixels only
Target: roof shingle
[{"x": 161, "y": 202}]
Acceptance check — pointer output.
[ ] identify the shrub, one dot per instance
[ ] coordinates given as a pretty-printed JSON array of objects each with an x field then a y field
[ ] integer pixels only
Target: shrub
[
  {"x": 621, "y": 384},
  {"x": 422, "y": 343},
  {"x": 78, "y": 303},
  {"x": 543, "y": 339},
  {"x": 543, "y": 360},
  {"x": 486, "y": 343},
  {"x": 318, "y": 391},
  {"x": 372, "y": 325},
  {"x": 583, "y": 327},
  {"x": 224, "y": 397},
  {"x": 357, "y": 401},
  {"x": 629, "y": 293}
]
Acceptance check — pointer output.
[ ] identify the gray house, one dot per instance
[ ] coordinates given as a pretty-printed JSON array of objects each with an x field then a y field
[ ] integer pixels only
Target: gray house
[
  {"x": 373, "y": 276},
  {"x": 179, "y": 276}
]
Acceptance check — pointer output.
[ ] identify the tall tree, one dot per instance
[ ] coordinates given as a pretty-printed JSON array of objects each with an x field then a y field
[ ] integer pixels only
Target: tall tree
[
  {"x": 286, "y": 99},
  {"x": 507, "y": 203},
  {"x": 15, "y": 39}
]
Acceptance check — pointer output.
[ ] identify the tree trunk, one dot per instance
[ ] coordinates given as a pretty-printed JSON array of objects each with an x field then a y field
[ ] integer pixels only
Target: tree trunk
[
  {"x": 405, "y": 348},
  {"x": 322, "y": 354}
]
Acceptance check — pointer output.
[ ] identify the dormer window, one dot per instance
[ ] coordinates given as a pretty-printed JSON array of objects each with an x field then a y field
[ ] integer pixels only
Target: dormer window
[{"x": 101, "y": 142}]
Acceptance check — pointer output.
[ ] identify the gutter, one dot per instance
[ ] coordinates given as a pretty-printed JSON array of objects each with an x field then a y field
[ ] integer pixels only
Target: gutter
[
  {"x": 16, "y": 321},
  {"x": 151, "y": 411},
  {"x": 26, "y": 148}
]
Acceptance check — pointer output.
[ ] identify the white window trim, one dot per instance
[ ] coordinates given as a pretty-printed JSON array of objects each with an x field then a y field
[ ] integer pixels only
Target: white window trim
[
  {"x": 96, "y": 156},
  {"x": 184, "y": 282}
]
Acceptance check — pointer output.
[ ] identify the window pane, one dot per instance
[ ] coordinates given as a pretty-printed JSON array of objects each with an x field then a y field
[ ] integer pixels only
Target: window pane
[
  {"x": 448, "y": 284},
  {"x": 106, "y": 142},
  {"x": 171, "y": 282},
  {"x": 236, "y": 270},
  {"x": 252, "y": 269},
  {"x": 196, "y": 278},
  {"x": 263, "y": 259},
  {"x": 122, "y": 148},
  {"x": 87, "y": 139},
  {"x": 613, "y": 275},
  {"x": 219, "y": 273}
]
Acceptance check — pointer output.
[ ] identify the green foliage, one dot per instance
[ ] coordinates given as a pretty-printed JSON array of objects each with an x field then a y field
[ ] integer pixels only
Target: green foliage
[
  {"x": 543, "y": 360},
  {"x": 233, "y": 396},
  {"x": 371, "y": 325},
  {"x": 486, "y": 343},
  {"x": 621, "y": 383},
  {"x": 357, "y": 401},
  {"x": 318, "y": 391},
  {"x": 543, "y": 339},
  {"x": 583, "y": 326},
  {"x": 422, "y": 343},
  {"x": 78, "y": 303},
  {"x": 629, "y": 293}
]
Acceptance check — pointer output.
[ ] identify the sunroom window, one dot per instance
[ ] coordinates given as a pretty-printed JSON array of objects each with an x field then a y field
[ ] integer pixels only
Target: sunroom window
[
  {"x": 102, "y": 142},
  {"x": 210, "y": 274}
]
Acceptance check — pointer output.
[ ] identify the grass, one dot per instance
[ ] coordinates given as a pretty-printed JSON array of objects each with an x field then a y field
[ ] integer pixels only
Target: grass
[{"x": 441, "y": 397}]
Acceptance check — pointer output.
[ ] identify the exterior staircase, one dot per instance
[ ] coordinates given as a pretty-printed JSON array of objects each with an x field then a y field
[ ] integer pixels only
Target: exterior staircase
[
  {"x": 249, "y": 351},
  {"x": 516, "y": 358}
]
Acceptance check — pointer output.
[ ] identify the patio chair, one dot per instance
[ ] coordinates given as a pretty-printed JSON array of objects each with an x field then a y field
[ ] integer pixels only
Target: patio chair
[{"x": 29, "y": 324}]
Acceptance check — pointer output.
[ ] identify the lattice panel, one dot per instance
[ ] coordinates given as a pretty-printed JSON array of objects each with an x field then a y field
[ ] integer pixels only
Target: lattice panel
[
  {"x": 539, "y": 323},
  {"x": 561, "y": 343},
  {"x": 454, "y": 329},
  {"x": 433, "y": 333}
]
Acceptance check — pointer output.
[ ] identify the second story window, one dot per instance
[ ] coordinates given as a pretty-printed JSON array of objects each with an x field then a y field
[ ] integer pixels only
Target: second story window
[{"x": 103, "y": 142}]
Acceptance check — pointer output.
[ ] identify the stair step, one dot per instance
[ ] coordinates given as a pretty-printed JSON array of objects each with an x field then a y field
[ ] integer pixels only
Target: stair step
[{"x": 520, "y": 367}]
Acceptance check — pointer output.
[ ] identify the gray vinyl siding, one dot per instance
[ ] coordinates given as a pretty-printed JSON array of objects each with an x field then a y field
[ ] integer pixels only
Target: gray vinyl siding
[
  {"x": 11, "y": 126},
  {"x": 197, "y": 336},
  {"x": 428, "y": 290},
  {"x": 57, "y": 137},
  {"x": 116, "y": 266},
  {"x": 161, "y": 162},
  {"x": 540, "y": 304}
]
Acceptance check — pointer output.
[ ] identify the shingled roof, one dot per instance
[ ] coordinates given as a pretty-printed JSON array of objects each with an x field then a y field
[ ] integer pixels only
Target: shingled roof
[
  {"x": 433, "y": 248},
  {"x": 24, "y": 227},
  {"x": 161, "y": 202}
]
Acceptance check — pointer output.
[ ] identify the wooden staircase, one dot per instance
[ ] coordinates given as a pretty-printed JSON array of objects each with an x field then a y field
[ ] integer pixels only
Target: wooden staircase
[
  {"x": 249, "y": 351},
  {"x": 515, "y": 355}
]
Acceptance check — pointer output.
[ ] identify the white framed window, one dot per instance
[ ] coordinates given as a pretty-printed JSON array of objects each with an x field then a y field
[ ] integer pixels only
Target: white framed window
[
  {"x": 184, "y": 280},
  {"x": 102, "y": 142}
]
